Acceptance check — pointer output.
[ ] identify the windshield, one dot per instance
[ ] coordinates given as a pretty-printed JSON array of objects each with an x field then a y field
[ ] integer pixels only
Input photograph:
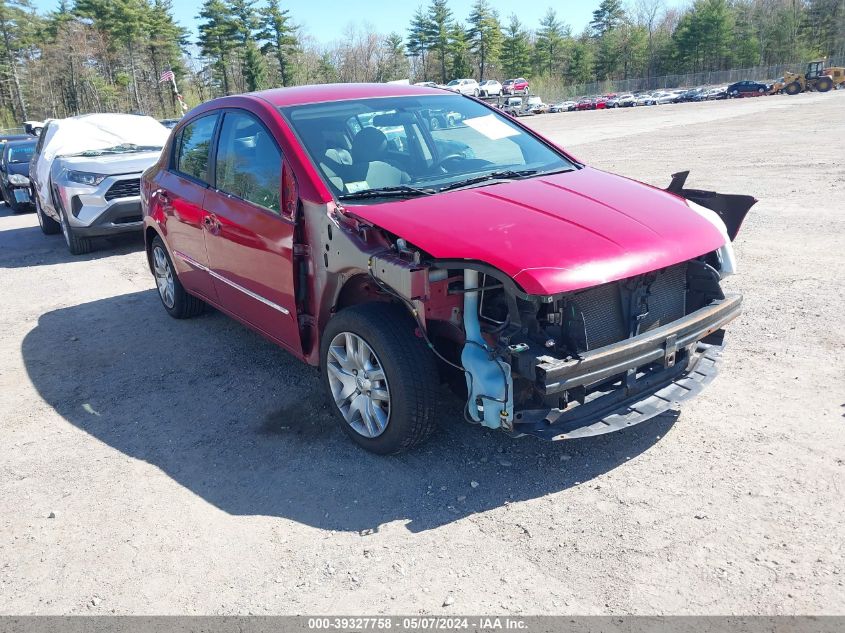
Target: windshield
[
  {"x": 21, "y": 153},
  {"x": 431, "y": 143}
]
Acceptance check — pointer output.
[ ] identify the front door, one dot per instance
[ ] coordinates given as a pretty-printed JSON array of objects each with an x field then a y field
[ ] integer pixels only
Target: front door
[
  {"x": 249, "y": 243},
  {"x": 180, "y": 192}
]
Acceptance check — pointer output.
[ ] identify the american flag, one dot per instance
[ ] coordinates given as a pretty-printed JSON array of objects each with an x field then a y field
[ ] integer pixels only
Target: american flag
[{"x": 167, "y": 75}]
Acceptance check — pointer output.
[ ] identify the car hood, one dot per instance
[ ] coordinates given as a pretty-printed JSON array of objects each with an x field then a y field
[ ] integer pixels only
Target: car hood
[
  {"x": 108, "y": 164},
  {"x": 18, "y": 168},
  {"x": 553, "y": 233}
]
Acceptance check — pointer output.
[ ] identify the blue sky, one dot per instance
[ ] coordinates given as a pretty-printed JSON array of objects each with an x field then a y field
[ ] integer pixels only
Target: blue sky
[{"x": 325, "y": 20}]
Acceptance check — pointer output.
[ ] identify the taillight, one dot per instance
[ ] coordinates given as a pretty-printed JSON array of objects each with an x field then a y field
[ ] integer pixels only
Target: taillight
[{"x": 290, "y": 195}]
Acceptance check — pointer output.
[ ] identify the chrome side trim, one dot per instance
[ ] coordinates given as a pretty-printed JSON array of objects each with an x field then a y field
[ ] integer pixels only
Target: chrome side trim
[{"x": 192, "y": 262}]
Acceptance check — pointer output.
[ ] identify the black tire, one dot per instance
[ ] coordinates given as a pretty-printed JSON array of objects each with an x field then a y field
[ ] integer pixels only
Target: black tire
[
  {"x": 48, "y": 225},
  {"x": 185, "y": 305},
  {"x": 793, "y": 88},
  {"x": 409, "y": 367},
  {"x": 824, "y": 84},
  {"x": 76, "y": 244}
]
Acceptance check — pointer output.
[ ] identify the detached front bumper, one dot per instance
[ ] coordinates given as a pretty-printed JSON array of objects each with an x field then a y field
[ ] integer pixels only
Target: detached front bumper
[{"x": 629, "y": 382}]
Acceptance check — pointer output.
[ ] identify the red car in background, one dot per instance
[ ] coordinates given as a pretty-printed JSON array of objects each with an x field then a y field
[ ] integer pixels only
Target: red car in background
[
  {"x": 517, "y": 86},
  {"x": 335, "y": 221},
  {"x": 586, "y": 103}
]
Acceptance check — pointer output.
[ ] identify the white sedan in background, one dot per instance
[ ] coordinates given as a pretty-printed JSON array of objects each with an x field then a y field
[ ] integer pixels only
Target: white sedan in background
[
  {"x": 490, "y": 88},
  {"x": 464, "y": 86}
]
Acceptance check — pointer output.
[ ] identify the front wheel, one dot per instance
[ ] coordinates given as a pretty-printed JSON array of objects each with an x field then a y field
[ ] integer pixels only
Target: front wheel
[
  {"x": 48, "y": 225},
  {"x": 76, "y": 244},
  {"x": 381, "y": 378},
  {"x": 792, "y": 88}
]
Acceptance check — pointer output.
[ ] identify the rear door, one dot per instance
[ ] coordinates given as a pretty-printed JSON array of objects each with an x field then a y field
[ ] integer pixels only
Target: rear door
[
  {"x": 180, "y": 193},
  {"x": 249, "y": 241}
]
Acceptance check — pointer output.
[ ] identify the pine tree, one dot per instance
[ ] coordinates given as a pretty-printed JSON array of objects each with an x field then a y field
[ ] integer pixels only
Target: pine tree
[
  {"x": 550, "y": 43},
  {"x": 217, "y": 38},
  {"x": 253, "y": 67},
  {"x": 607, "y": 17},
  {"x": 459, "y": 52},
  {"x": 395, "y": 64},
  {"x": 419, "y": 43},
  {"x": 165, "y": 48},
  {"x": 439, "y": 32},
  {"x": 516, "y": 49},
  {"x": 14, "y": 17},
  {"x": 279, "y": 37},
  {"x": 485, "y": 36}
]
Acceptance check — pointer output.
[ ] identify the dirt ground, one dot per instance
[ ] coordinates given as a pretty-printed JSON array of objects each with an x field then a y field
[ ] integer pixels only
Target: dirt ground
[{"x": 152, "y": 466}]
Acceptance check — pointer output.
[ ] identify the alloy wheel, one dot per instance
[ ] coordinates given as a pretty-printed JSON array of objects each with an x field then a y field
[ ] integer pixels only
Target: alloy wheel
[
  {"x": 164, "y": 277},
  {"x": 358, "y": 384}
]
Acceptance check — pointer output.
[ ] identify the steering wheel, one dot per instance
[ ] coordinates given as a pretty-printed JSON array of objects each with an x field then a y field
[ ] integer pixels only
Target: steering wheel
[{"x": 447, "y": 157}]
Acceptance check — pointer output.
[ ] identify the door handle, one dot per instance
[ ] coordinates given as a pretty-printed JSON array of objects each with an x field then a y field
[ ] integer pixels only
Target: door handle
[
  {"x": 211, "y": 224},
  {"x": 161, "y": 194}
]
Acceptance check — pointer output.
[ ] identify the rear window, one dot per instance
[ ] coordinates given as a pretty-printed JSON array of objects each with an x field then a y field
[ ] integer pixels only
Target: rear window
[{"x": 192, "y": 148}]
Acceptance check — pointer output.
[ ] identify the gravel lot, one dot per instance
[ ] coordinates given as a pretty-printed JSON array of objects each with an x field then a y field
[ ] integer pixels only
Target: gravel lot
[{"x": 151, "y": 466}]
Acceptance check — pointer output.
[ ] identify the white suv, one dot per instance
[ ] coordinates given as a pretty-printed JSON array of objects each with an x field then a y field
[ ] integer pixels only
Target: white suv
[
  {"x": 490, "y": 88},
  {"x": 464, "y": 86}
]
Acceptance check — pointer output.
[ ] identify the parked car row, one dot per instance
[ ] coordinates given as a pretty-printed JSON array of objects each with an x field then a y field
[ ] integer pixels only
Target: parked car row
[
  {"x": 396, "y": 254},
  {"x": 486, "y": 88},
  {"x": 662, "y": 97}
]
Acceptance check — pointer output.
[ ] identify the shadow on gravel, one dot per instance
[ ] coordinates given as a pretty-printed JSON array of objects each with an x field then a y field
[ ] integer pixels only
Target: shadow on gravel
[
  {"x": 245, "y": 426},
  {"x": 27, "y": 246}
]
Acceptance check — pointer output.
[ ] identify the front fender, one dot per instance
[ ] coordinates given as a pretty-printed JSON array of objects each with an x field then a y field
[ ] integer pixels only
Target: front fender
[{"x": 731, "y": 208}]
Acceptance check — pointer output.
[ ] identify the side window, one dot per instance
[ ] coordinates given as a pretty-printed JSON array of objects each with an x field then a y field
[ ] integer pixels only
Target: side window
[
  {"x": 192, "y": 148},
  {"x": 249, "y": 164}
]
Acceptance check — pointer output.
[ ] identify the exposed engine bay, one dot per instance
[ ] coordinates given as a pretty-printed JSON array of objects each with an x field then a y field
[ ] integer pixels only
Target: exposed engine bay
[{"x": 576, "y": 363}]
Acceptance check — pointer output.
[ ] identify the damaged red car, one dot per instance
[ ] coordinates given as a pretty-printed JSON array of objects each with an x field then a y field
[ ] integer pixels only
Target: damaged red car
[{"x": 561, "y": 301}]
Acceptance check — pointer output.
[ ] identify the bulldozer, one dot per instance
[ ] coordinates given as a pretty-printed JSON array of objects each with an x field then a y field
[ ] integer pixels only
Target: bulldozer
[{"x": 816, "y": 78}]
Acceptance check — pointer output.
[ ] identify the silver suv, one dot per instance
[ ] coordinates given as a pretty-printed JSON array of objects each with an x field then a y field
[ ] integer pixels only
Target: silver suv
[{"x": 92, "y": 193}]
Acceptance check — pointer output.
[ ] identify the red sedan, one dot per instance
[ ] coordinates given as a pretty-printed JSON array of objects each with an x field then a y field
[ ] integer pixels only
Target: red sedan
[{"x": 342, "y": 226}]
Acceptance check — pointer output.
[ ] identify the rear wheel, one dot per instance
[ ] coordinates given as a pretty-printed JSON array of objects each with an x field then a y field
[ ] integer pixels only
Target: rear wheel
[
  {"x": 381, "y": 378},
  {"x": 48, "y": 225},
  {"x": 175, "y": 299},
  {"x": 824, "y": 84},
  {"x": 793, "y": 88}
]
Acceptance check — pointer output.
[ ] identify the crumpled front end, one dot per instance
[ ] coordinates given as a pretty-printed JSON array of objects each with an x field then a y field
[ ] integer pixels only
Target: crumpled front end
[{"x": 574, "y": 363}]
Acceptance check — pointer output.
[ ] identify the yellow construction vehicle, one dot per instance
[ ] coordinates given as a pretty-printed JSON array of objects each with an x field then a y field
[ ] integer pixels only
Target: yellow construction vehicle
[{"x": 816, "y": 78}]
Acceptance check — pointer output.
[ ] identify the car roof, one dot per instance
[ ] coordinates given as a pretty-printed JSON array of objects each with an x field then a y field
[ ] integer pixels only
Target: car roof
[
  {"x": 321, "y": 93},
  {"x": 18, "y": 142}
]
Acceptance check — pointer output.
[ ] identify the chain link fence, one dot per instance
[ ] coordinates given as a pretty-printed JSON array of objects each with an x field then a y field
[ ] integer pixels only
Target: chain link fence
[{"x": 552, "y": 90}]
